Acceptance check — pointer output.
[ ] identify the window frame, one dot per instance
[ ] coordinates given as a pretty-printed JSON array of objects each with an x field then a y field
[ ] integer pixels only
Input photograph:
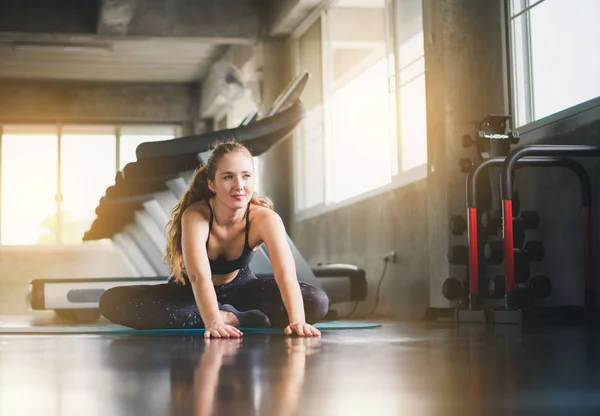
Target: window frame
[
  {"x": 533, "y": 131},
  {"x": 88, "y": 128},
  {"x": 398, "y": 180},
  {"x": 529, "y": 108}
]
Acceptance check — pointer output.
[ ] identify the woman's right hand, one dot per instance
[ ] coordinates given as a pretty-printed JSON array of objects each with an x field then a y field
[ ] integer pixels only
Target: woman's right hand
[{"x": 222, "y": 330}]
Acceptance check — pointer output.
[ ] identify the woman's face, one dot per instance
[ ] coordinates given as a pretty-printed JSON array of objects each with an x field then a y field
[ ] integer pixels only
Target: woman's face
[{"x": 234, "y": 180}]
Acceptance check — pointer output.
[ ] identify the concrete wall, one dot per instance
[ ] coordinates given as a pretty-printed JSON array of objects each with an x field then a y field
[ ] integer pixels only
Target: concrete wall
[
  {"x": 19, "y": 265},
  {"x": 25, "y": 102},
  {"x": 276, "y": 165},
  {"x": 362, "y": 234},
  {"x": 464, "y": 79}
]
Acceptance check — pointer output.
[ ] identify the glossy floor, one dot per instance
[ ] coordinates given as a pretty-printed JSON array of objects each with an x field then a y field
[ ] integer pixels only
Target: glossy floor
[{"x": 399, "y": 369}]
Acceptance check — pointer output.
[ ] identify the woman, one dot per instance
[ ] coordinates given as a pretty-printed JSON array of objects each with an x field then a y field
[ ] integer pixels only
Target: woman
[{"x": 217, "y": 218}]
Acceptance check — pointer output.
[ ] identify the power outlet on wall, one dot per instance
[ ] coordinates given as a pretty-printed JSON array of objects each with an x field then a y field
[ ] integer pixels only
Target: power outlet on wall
[{"x": 390, "y": 257}]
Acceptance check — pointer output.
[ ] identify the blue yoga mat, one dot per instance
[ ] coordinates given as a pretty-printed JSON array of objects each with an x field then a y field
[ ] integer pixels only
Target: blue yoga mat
[{"x": 26, "y": 328}]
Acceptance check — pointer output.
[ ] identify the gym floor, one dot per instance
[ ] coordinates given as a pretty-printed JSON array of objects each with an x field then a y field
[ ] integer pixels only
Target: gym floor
[{"x": 397, "y": 369}]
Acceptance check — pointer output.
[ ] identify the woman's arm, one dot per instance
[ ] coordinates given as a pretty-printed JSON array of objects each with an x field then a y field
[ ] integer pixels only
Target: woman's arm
[
  {"x": 194, "y": 233},
  {"x": 272, "y": 233}
]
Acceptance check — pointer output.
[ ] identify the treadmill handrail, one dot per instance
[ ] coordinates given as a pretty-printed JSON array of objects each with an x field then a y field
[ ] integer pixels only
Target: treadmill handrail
[{"x": 250, "y": 134}]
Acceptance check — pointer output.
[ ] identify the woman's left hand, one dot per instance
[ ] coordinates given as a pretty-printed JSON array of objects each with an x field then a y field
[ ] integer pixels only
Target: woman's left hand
[{"x": 302, "y": 329}]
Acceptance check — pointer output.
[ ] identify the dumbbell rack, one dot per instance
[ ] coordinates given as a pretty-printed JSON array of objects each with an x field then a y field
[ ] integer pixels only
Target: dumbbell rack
[
  {"x": 513, "y": 313},
  {"x": 518, "y": 297},
  {"x": 490, "y": 141}
]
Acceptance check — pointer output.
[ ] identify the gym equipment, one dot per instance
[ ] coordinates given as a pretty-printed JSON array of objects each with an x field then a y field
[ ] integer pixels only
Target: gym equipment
[
  {"x": 491, "y": 221},
  {"x": 453, "y": 289},
  {"x": 531, "y": 251},
  {"x": 541, "y": 286},
  {"x": 507, "y": 194},
  {"x": 538, "y": 287},
  {"x": 524, "y": 287},
  {"x": 474, "y": 250},
  {"x": 528, "y": 220},
  {"x": 518, "y": 288},
  {"x": 495, "y": 287},
  {"x": 492, "y": 140},
  {"x": 286, "y": 113},
  {"x": 458, "y": 255},
  {"x": 7, "y": 327},
  {"x": 458, "y": 224}
]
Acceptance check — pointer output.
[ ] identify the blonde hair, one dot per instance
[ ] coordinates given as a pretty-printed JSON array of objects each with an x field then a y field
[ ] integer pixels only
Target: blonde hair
[{"x": 198, "y": 190}]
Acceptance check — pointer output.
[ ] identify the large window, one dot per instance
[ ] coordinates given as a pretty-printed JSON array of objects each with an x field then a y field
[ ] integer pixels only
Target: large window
[
  {"x": 361, "y": 106},
  {"x": 410, "y": 54},
  {"x": 555, "y": 56},
  {"x": 83, "y": 180},
  {"x": 53, "y": 178},
  {"x": 29, "y": 184},
  {"x": 365, "y": 129}
]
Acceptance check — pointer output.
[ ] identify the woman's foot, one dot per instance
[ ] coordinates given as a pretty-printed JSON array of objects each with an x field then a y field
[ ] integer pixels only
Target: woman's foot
[
  {"x": 229, "y": 318},
  {"x": 246, "y": 319}
]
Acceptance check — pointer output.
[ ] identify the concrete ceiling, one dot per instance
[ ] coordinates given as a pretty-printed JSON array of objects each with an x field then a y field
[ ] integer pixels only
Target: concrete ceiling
[
  {"x": 148, "y": 60},
  {"x": 122, "y": 40},
  {"x": 172, "y": 41}
]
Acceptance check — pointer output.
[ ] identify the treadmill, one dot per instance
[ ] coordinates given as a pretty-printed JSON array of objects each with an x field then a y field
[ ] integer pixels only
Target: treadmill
[{"x": 134, "y": 212}]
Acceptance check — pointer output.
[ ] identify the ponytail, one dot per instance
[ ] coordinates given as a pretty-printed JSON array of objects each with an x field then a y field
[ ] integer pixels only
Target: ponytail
[{"x": 198, "y": 190}]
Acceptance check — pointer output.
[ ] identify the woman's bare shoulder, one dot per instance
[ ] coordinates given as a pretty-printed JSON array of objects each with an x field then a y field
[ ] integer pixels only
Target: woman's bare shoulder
[
  {"x": 198, "y": 210},
  {"x": 261, "y": 214}
]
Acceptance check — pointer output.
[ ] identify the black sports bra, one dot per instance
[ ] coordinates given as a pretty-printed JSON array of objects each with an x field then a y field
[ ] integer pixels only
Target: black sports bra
[{"x": 222, "y": 266}]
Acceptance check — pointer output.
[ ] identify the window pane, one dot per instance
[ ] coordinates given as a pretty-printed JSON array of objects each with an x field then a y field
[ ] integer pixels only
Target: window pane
[
  {"x": 361, "y": 133},
  {"x": 566, "y": 62},
  {"x": 84, "y": 180},
  {"x": 311, "y": 132},
  {"x": 516, "y": 6},
  {"x": 413, "y": 128},
  {"x": 411, "y": 59},
  {"x": 361, "y": 109},
  {"x": 29, "y": 185},
  {"x": 521, "y": 83}
]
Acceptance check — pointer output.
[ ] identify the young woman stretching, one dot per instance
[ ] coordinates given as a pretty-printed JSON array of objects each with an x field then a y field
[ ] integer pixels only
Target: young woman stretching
[{"x": 212, "y": 235}]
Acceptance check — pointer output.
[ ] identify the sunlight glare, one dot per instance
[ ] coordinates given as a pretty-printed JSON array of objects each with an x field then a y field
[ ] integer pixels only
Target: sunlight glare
[{"x": 29, "y": 178}]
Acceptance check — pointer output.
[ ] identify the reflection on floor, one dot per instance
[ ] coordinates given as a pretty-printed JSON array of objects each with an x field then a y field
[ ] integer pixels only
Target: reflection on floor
[{"x": 399, "y": 369}]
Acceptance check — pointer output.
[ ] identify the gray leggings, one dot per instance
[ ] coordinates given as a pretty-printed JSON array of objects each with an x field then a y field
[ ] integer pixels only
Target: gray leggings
[{"x": 172, "y": 305}]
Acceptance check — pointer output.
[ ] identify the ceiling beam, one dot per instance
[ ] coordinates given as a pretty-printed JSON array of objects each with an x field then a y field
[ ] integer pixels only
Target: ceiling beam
[
  {"x": 219, "y": 21},
  {"x": 236, "y": 21},
  {"x": 285, "y": 15}
]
